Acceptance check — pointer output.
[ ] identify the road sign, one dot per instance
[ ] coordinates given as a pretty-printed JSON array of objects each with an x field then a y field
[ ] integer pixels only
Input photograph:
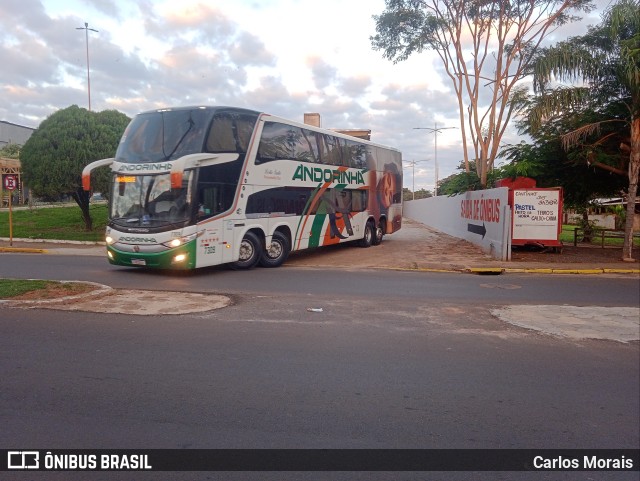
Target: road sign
[{"x": 10, "y": 182}]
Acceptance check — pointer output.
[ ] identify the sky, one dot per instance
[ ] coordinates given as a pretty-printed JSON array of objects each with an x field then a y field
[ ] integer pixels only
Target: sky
[{"x": 283, "y": 57}]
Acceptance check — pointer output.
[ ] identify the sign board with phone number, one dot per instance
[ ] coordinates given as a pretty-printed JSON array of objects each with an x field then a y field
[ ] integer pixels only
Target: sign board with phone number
[{"x": 537, "y": 216}]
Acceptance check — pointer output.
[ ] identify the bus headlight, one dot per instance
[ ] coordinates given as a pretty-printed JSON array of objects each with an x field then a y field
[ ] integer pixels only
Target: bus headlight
[
  {"x": 109, "y": 240},
  {"x": 178, "y": 241}
]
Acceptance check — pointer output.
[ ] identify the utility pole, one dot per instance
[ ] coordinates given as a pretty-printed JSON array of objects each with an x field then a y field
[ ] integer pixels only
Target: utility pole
[
  {"x": 435, "y": 131},
  {"x": 413, "y": 163},
  {"x": 86, "y": 32}
]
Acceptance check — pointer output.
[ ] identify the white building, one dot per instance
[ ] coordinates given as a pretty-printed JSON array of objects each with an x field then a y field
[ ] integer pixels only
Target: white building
[{"x": 13, "y": 133}]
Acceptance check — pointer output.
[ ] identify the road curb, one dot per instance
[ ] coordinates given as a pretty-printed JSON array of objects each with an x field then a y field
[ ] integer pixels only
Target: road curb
[
  {"x": 494, "y": 271},
  {"x": 516, "y": 270},
  {"x": 53, "y": 241},
  {"x": 621, "y": 271},
  {"x": 25, "y": 250},
  {"x": 527, "y": 270}
]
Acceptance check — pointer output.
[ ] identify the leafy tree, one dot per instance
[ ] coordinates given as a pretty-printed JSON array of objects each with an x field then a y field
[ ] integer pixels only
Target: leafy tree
[
  {"x": 423, "y": 194},
  {"x": 459, "y": 183},
  {"x": 465, "y": 181},
  {"x": 527, "y": 164},
  {"x": 607, "y": 60},
  {"x": 546, "y": 160},
  {"x": 407, "y": 194},
  {"x": 54, "y": 156},
  {"x": 485, "y": 47},
  {"x": 551, "y": 165},
  {"x": 10, "y": 151}
]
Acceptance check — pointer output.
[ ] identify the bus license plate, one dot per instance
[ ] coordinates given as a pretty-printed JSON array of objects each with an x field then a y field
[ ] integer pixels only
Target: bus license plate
[{"x": 138, "y": 262}]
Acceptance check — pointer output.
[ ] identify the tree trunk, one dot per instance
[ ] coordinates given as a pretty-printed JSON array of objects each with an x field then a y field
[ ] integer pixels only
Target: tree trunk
[
  {"x": 481, "y": 168},
  {"x": 82, "y": 199},
  {"x": 634, "y": 167}
]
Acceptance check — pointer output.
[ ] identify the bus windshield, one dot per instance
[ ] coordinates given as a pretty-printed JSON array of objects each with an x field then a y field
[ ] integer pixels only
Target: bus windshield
[
  {"x": 164, "y": 135},
  {"x": 149, "y": 201}
]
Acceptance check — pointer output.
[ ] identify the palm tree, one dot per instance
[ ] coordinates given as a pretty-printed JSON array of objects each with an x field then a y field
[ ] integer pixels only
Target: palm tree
[{"x": 607, "y": 61}]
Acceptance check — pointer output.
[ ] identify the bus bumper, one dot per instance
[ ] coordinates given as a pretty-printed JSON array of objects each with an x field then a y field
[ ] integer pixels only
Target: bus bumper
[{"x": 183, "y": 257}]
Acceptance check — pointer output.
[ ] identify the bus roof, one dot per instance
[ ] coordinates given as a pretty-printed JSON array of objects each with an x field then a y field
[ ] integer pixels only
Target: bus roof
[
  {"x": 220, "y": 108},
  {"x": 267, "y": 116}
]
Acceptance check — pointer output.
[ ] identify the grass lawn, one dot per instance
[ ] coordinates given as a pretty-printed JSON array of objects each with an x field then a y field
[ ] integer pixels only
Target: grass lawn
[
  {"x": 63, "y": 223},
  {"x": 15, "y": 287},
  {"x": 567, "y": 234},
  {"x": 31, "y": 289}
]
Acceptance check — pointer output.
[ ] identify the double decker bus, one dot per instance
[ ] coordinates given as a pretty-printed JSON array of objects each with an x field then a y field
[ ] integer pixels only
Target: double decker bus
[{"x": 200, "y": 186}]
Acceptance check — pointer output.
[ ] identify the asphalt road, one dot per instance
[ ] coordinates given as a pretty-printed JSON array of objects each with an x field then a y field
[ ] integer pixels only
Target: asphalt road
[
  {"x": 394, "y": 360},
  {"x": 459, "y": 288}
]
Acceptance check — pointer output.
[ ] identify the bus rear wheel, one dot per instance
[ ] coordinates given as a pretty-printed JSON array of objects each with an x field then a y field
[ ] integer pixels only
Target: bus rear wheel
[
  {"x": 378, "y": 234},
  {"x": 367, "y": 239},
  {"x": 250, "y": 249},
  {"x": 278, "y": 251}
]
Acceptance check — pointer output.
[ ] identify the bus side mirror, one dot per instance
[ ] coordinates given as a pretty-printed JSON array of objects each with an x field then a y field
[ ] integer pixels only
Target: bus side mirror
[
  {"x": 86, "y": 172},
  {"x": 86, "y": 181},
  {"x": 176, "y": 179}
]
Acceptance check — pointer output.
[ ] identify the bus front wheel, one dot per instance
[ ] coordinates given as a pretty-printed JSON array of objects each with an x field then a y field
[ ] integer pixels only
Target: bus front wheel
[
  {"x": 250, "y": 249},
  {"x": 277, "y": 253}
]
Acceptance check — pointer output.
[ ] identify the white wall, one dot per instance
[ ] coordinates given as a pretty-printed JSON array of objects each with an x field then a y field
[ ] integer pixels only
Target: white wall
[{"x": 480, "y": 217}]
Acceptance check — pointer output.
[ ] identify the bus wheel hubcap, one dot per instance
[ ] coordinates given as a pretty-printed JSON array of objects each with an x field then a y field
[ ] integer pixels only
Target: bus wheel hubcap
[
  {"x": 275, "y": 250},
  {"x": 246, "y": 250}
]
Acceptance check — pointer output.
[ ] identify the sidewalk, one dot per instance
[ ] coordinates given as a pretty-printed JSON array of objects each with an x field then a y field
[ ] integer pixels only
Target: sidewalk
[
  {"x": 419, "y": 247},
  {"x": 414, "y": 247}
]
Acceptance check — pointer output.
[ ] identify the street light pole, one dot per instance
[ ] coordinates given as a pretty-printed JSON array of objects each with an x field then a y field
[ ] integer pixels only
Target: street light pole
[
  {"x": 86, "y": 31},
  {"x": 413, "y": 163},
  {"x": 435, "y": 131}
]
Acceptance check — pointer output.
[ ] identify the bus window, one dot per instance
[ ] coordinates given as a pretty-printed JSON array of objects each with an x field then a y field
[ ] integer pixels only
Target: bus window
[
  {"x": 281, "y": 141},
  {"x": 211, "y": 200},
  {"x": 217, "y": 187},
  {"x": 279, "y": 200},
  {"x": 244, "y": 128},
  {"x": 277, "y": 142},
  {"x": 355, "y": 155},
  {"x": 309, "y": 146},
  {"x": 230, "y": 133},
  {"x": 221, "y": 135},
  {"x": 332, "y": 153},
  {"x": 359, "y": 200},
  {"x": 142, "y": 141},
  {"x": 149, "y": 200},
  {"x": 161, "y": 136}
]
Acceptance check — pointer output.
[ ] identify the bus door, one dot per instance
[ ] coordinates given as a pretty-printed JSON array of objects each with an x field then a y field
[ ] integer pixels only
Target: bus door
[
  {"x": 211, "y": 242},
  {"x": 220, "y": 241},
  {"x": 210, "y": 245},
  {"x": 233, "y": 232}
]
